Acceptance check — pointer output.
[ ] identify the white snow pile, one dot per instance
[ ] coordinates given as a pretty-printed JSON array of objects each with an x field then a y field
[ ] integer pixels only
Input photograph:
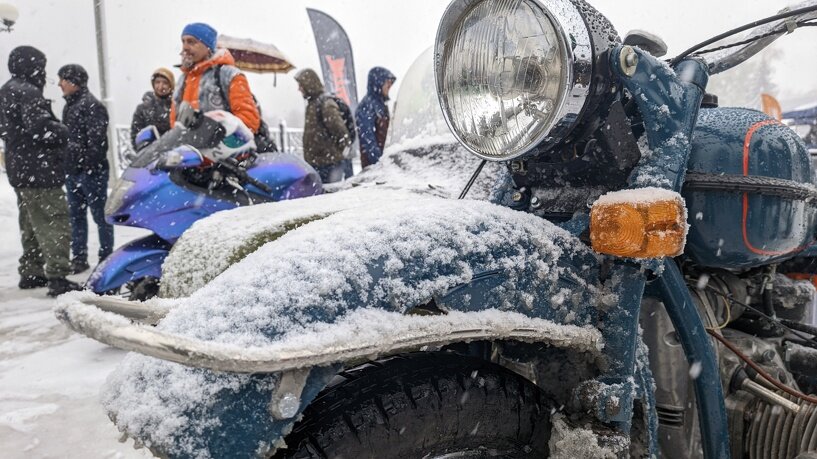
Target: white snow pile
[
  {"x": 389, "y": 258},
  {"x": 213, "y": 244},
  {"x": 429, "y": 165},
  {"x": 569, "y": 442},
  {"x": 646, "y": 195}
]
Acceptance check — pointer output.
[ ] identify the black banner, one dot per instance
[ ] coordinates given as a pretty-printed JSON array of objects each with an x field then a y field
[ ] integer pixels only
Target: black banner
[{"x": 337, "y": 63}]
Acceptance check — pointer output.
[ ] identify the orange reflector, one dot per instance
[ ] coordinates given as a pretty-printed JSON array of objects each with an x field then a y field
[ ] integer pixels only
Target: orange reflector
[{"x": 639, "y": 229}]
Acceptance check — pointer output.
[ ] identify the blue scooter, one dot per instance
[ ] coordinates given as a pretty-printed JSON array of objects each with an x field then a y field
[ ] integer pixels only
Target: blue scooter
[{"x": 172, "y": 183}]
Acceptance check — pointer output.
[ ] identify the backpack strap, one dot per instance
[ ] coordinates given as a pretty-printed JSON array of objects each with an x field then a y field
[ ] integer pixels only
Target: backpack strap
[
  {"x": 321, "y": 100},
  {"x": 221, "y": 90}
]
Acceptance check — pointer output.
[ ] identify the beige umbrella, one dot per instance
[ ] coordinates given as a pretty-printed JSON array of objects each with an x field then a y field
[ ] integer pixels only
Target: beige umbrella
[{"x": 254, "y": 56}]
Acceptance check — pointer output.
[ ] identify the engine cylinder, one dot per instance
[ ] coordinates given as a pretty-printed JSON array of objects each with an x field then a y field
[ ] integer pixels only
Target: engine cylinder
[{"x": 778, "y": 434}]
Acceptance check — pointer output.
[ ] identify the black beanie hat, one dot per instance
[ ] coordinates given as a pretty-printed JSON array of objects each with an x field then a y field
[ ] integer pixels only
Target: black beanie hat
[
  {"x": 28, "y": 63},
  {"x": 74, "y": 73}
]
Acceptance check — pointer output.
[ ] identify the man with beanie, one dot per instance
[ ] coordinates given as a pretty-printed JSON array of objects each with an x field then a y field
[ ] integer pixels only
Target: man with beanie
[
  {"x": 372, "y": 116},
  {"x": 87, "y": 166},
  {"x": 325, "y": 132},
  {"x": 155, "y": 107},
  {"x": 210, "y": 80},
  {"x": 35, "y": 148}
]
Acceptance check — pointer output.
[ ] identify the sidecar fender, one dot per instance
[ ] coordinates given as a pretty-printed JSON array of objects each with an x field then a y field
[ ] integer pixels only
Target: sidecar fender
[{"x": 314, "y": 302}]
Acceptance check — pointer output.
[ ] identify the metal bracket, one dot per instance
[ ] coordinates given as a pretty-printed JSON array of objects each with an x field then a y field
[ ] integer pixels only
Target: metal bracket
[{"x": 286, "y": 397}]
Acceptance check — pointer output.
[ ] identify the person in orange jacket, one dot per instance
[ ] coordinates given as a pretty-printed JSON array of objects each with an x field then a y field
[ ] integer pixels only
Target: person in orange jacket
[{"x": 210, "y": 80}]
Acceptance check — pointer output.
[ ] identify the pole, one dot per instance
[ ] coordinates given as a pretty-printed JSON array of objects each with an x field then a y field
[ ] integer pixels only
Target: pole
[{"x": 104, "y": 84}]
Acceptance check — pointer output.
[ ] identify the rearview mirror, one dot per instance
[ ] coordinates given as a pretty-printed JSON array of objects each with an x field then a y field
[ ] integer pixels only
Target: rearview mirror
[
  {"x": 145, "y": 137},
  {"x": 182, "y": 157}
]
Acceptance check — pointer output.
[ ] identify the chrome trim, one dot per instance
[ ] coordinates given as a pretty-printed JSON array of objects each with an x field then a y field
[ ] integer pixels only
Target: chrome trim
[
  {"x": 147, "y": 312},
  {"x": 577, "y": 59},
  {"x": 81, "y": 316}
]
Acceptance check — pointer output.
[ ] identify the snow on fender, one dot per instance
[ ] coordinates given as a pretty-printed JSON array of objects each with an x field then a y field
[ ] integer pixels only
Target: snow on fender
[{"x": 346, "y": 282}]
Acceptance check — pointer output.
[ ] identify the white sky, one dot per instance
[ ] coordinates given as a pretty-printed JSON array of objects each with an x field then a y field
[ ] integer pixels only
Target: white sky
[{"x": 144, "y": 35}]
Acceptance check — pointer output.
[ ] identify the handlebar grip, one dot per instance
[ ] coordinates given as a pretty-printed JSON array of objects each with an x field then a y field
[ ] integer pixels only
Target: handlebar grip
[{"x": 258, "y": 184}]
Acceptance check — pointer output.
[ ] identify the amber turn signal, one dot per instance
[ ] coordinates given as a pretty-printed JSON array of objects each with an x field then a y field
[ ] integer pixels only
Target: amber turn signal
[{"x": 643, "y": 223}]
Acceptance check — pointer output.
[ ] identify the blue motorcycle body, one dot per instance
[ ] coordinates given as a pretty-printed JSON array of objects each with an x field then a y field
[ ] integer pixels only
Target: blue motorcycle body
[{"x": 168, "y": 202}]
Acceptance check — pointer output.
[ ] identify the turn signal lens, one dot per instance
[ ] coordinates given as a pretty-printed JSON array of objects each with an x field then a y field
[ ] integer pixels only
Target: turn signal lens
[{"x": 623, "y": 226}]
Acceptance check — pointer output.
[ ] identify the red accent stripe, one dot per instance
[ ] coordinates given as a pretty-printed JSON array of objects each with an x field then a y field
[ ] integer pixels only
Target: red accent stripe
[{"x": 747, "y": 142}]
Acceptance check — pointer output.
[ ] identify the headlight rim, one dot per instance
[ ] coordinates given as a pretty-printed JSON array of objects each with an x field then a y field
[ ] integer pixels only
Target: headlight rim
[{"x": 577, "y": 60}]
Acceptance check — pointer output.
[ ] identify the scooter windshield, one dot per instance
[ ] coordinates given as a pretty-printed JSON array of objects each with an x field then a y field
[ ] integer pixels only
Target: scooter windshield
[{"x": 206, "y": 135}]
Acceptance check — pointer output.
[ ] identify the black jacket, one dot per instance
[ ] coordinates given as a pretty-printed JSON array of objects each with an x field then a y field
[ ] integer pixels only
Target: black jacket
[
  {"x": 153, "y": 111},
  {"x": 87, "y": 121},
  {"x": 35, "y": 139}
]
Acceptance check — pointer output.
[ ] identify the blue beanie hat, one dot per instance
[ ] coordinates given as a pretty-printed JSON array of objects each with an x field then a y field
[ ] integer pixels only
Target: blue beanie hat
[{"x": 203, "y": 33}]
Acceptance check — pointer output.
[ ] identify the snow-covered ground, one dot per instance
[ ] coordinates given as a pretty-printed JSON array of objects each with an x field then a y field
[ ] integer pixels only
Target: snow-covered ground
[{"x": 49, "y": 376}]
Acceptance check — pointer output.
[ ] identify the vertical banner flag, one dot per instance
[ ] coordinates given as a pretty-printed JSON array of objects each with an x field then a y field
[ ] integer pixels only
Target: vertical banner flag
[{"x": 337, "y": 64}]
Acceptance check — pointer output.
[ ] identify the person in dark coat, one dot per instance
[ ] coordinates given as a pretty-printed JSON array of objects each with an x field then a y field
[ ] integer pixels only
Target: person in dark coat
[
  {"x": 87, "y": 167},
  {"x": 325, "y": 133},
  {"x": 155, "y": 107},
  {"x": 35, "y": 148},
  {"x": 372, "y": 116}
]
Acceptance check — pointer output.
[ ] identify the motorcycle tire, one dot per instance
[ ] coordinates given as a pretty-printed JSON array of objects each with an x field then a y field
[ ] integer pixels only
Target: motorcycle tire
[{"x": 425, "y": 405}]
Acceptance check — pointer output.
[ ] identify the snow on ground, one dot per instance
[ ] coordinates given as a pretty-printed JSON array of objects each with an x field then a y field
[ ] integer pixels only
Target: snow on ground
[{"x": 49, "y": 376}]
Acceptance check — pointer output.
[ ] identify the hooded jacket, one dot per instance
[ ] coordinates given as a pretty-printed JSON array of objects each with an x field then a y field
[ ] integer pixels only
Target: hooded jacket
[
  {"x": 87, "y": 121},
  {"x": 153, "y": 111},
  {"x": 198, "y": 87},
  {"x": 372, "y": 117},
  {"x": 324, "y": 139},
  {"x": 35, "y": 139}
]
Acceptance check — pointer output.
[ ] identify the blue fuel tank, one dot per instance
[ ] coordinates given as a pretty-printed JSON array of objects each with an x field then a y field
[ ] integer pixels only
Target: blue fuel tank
[{"x": 748, "y": 191}]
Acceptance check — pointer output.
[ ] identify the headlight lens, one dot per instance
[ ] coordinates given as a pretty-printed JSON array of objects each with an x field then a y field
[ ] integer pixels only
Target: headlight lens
[
  {"x": 117, "y": 197},
  {"x": 507, "y": 74}
]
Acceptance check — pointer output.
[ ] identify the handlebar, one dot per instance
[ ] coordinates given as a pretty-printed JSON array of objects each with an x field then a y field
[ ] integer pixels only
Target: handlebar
[{"x": 232, "y": 165}]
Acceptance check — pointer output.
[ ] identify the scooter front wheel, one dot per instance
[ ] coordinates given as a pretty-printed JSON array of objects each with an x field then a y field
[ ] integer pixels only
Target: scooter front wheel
[
  {"x": 427, "y": 405},
  {"x": 142, "y": 289}
]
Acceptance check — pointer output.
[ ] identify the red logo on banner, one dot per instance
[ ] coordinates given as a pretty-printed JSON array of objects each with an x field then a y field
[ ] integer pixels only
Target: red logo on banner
[{"x": 338, "y": 69}]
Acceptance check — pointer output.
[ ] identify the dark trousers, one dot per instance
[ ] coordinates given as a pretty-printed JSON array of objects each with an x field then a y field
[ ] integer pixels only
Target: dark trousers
[
  {"x": 331, "y": 173},
  {"x": 348, "y": 172},
  {"x": 88, "y": 191},
  {"x": 44, "y": 232}
]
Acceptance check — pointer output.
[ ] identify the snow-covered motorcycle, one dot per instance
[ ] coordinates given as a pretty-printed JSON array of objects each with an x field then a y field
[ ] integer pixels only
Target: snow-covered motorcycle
[{"x": 620, "y": 295}]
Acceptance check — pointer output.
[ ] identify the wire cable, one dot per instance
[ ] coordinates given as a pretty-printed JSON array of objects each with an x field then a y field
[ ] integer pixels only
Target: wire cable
[
  {"x": 760, "y": 370},
  {"x": 759, "y": 37},
  {"x": 740, "y": 29},
  {"x": 473, "y": 179}
]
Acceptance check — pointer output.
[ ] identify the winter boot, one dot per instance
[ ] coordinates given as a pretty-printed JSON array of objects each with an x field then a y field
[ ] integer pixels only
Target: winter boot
[
  {"x": 79, "y": 266},
  {"x": 29, "y": 282},
  {"x": 59, "y": 285}
]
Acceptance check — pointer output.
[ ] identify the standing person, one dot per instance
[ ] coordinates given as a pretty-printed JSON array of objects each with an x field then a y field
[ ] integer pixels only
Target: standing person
[
  {"x": 210, "y": 79},
  {"x": 155, "y": 107},
  {"x": 35, "y": 147},
  {"x": 372, "y": 116},
  {"x": 87, "y": 168},
  {"x": 325, "y": 133}
]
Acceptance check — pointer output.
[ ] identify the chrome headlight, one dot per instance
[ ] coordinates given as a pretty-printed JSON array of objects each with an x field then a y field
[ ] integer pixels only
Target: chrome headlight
[
  {"x": 117, "y": 197},
  {"x": 512, "y": 74}
]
